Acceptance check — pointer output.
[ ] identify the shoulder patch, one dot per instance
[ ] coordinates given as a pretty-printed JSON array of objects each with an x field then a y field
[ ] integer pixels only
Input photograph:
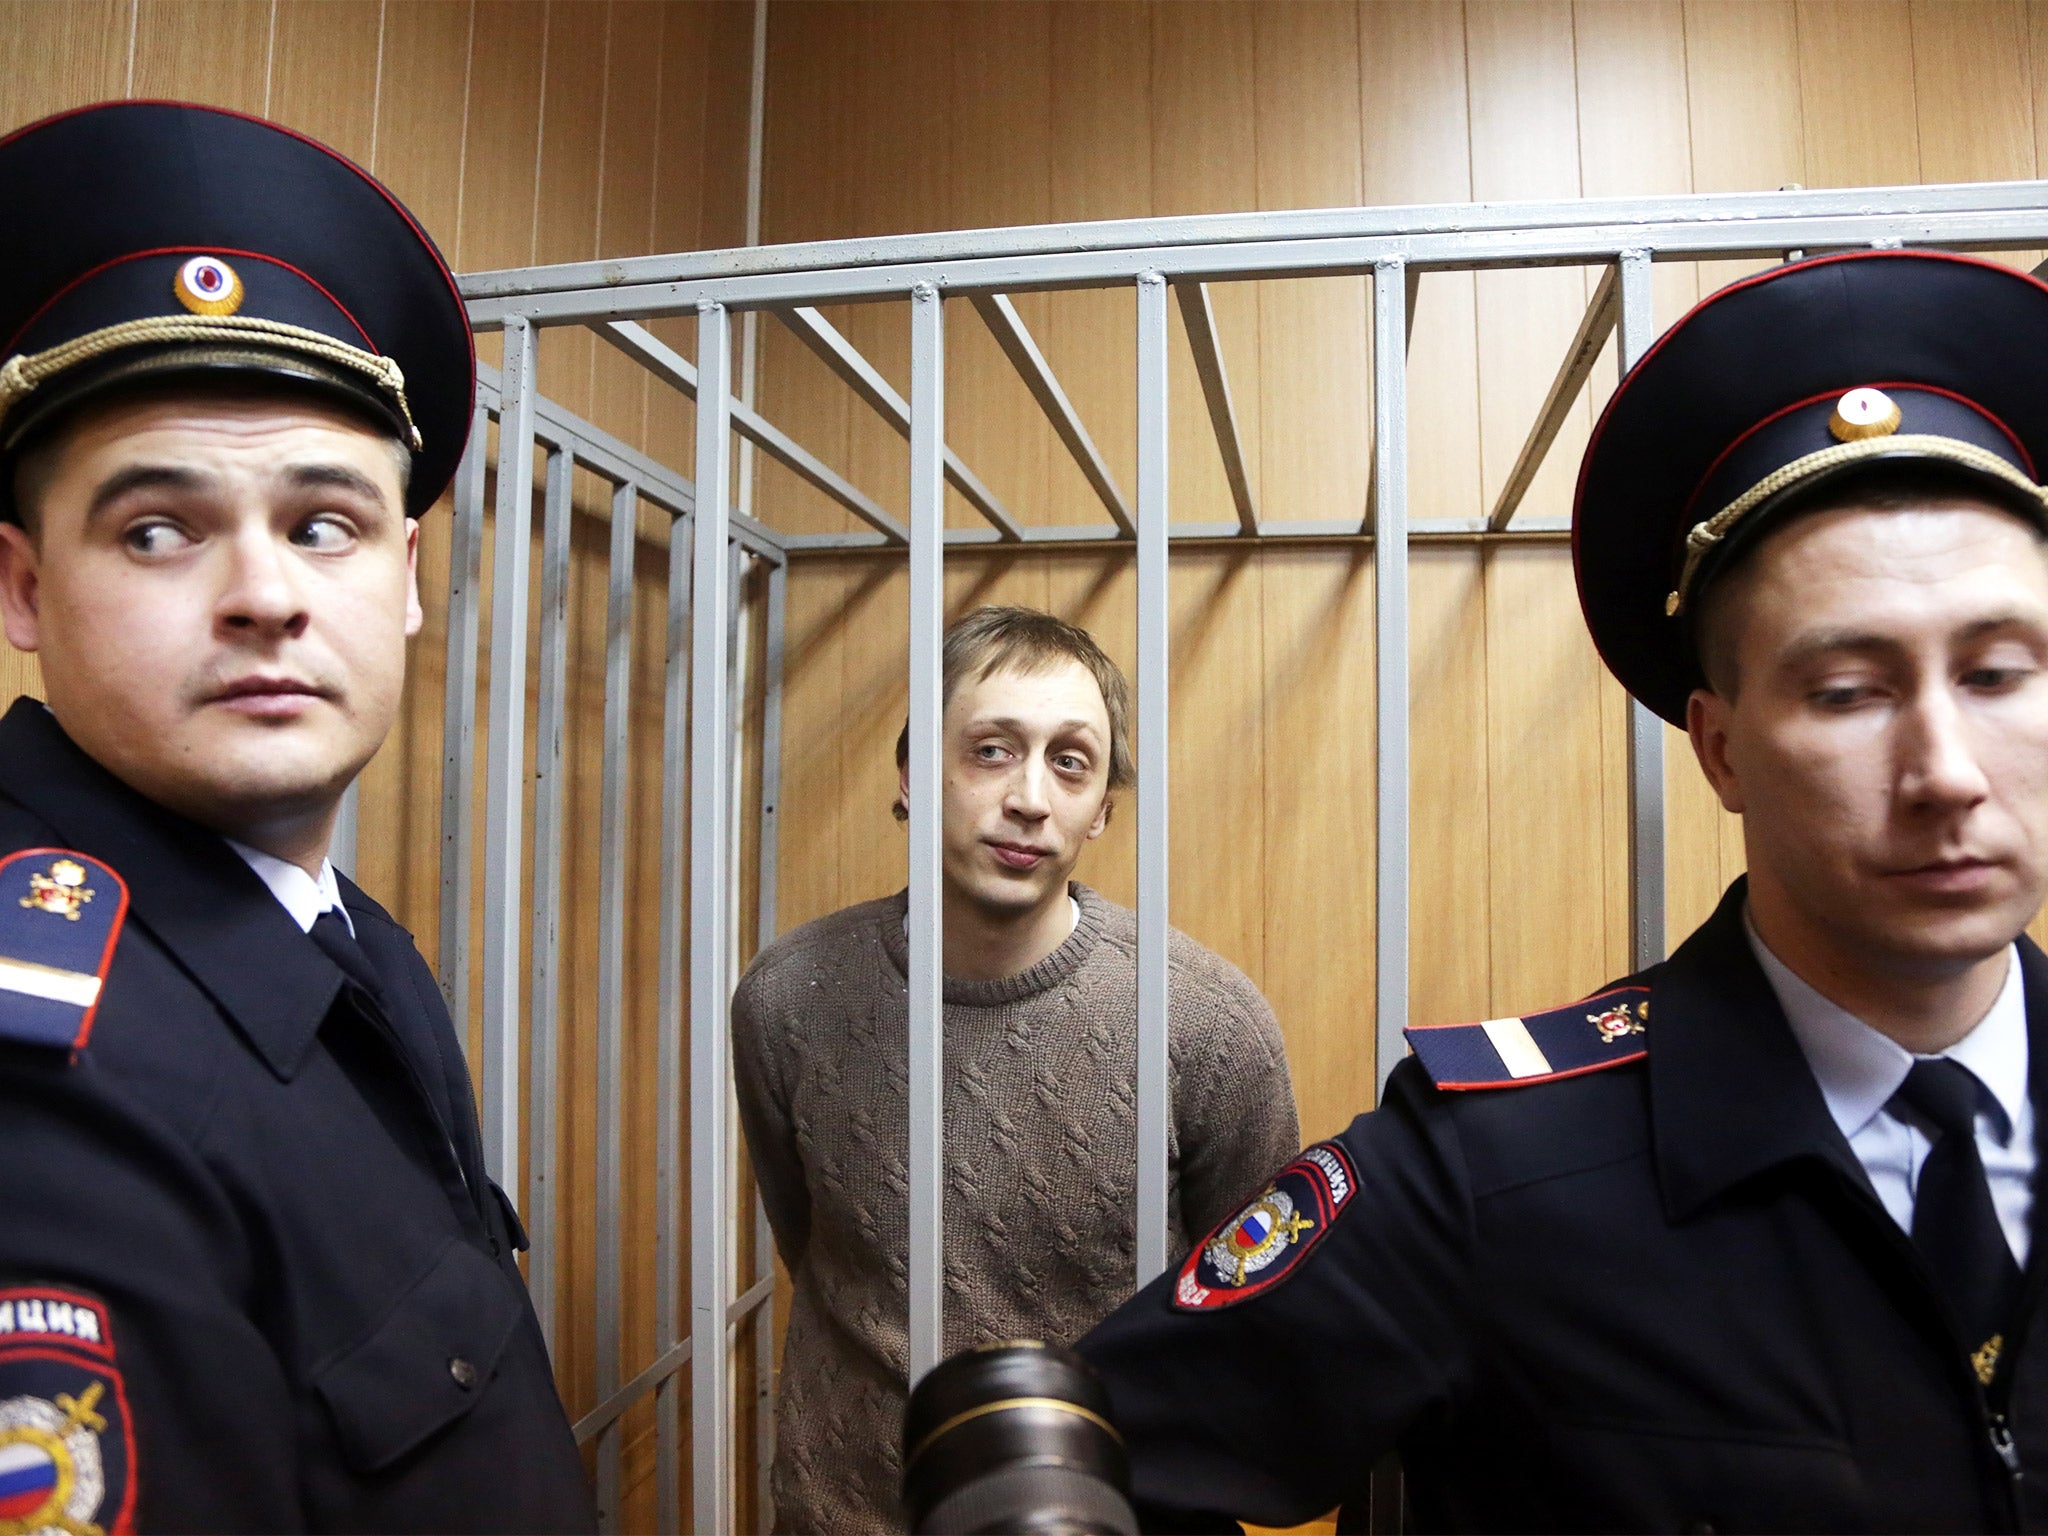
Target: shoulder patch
[
  {"x": 60, "y": 915},
  {"x": 1604, "y": 1030},
  {"x": 67, "y": 1446},
  {"x": 1266, "y": 1241}
]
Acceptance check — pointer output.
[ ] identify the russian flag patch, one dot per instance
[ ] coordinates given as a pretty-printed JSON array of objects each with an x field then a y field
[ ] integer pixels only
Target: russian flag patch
[
  {"x": 1266, "y": 1241},
  {"x": 67, "y": 1448}
]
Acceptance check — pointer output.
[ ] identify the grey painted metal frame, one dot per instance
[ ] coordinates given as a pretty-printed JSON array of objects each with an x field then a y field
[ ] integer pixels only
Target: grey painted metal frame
[
  {"x": 1200, "y": 317},
  {"x": 505, "y": 774},
  {"x": 1645, "y": 730},
  {"x": 698, "y": 794},
  {"x": 1153, "y": 1111},
  {"x": 840, "y": 355},
  {"x": 1014, "y": 337},
  {"x": 1390, "y": 660},
  {"x": 710, "y": 1260},
  {"x": 458, "y": 727},
  {"x": 611, "y": 970},
  {"x": 927, "y": 944},
  {"x": 1595, "y": 327},
  {"x": 544, "y": 1050}
]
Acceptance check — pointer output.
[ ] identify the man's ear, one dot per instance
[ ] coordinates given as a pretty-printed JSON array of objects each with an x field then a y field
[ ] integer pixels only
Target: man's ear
[
  {"x": 902, "y": 807},
  {"x": 1706, "y": 722},
  {"x": 415, "y": 616},
  {"x": 20, "y": 588},
  {"x": 1102, "y": 816}
]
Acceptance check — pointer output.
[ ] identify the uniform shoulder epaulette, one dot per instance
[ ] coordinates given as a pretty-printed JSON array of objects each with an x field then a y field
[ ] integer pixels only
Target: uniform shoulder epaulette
[
  {"x": 1604, "y": 1030},
  {"x": 60, "y": 915}
]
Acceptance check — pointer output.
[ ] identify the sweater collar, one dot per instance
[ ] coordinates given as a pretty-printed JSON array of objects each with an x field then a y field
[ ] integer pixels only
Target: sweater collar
[{"x": 1042, "y": 977}]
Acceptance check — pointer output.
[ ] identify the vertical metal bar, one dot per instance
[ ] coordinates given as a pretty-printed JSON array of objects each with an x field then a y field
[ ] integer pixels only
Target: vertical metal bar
[
  {"x": 1645, "y": 730},
  {"x": 765, "y": 929},
  {"x": 1154, "y": 1107},
  {"x": 505, "y": 772},
  {"x": 341, "y": 846},
  {"x": 544, "y": 1058},
  {"x": 458, "y": 720},
  {"x": 672, "y": 999},
  {"x": 613, "y": 858},
  {"x": 735, "y": 725},
  {"x": 750, "y": 322},
  {"x": 710, "y": 1266},
  {"x": 927, "y": 623},
  {"x": 1390, "y": 649}
]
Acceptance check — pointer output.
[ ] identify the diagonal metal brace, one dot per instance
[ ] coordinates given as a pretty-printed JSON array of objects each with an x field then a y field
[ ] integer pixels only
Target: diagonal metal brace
[
  {"x": 1015, "y": 339},
  {"x": 844, "y": 359},
  {"x": 1201, "y": 327},
  {"x": 662, "y": 360},
  {"x": 1594, "y": 329}
]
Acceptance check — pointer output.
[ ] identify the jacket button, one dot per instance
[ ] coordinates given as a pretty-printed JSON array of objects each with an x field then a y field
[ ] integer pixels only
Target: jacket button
[{"x": 462, "y": 1373}]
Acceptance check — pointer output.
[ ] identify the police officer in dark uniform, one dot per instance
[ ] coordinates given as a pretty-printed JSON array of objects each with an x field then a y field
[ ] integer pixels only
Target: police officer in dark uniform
[
  {"x": 253, "y": 1274},
  {"x": 1741, "y": 1242}
]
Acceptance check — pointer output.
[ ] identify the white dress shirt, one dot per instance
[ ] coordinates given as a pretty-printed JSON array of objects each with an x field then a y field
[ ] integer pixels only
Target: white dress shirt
[
  {"x": 1859, "y": 1070},
  {"x": 298, "y": 892}
]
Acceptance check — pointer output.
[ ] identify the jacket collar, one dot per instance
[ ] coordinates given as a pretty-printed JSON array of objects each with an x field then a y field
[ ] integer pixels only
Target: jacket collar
[
  {"x": 1731, "y": 1095},
  {"x": 185, "y": 885}
]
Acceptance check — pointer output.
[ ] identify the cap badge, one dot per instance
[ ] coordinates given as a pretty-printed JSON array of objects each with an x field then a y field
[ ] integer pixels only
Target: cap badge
[
  {"x": 206, "y": 285},
  {"x": 1864, "y": 413}
]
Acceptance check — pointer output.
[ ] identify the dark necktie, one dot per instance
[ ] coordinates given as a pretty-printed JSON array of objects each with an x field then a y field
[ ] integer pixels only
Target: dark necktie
[
  {"x": 1955, "y": 1225},
  {"x": 331, "y": 933}
]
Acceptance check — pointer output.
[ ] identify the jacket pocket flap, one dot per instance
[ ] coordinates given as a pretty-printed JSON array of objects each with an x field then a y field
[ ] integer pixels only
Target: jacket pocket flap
[{"x": 426, "y": 1364}]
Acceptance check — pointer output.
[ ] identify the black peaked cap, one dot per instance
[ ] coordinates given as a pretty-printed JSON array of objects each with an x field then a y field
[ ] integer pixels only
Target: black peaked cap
[
  {"x": 176, "y": 215},
  {"x": 1742, "y": 405}
]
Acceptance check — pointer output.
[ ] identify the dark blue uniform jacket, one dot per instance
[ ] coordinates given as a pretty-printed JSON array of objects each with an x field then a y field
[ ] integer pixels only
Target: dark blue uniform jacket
[
  {"x": 1658, "y": 1297},
  {"x": 277, "y": 1193}
]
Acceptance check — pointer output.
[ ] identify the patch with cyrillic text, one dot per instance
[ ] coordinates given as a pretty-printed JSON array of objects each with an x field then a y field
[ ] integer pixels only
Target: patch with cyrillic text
[
  {"x": 67, "y": 1447},
  {"x": 1266, "y": 1241}
]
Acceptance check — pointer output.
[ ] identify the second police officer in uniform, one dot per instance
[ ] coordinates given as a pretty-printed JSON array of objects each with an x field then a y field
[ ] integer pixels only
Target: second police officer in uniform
[
  {"x": 253, "y": 1273},
  {"x": 1742, "y": 1242}
]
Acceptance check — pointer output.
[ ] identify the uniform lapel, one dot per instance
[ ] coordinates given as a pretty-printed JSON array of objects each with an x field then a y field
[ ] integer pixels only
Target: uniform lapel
[
  {"x": 1731, "y": 1093},
  {"x": 206, "y": 908},
  {"x": 421, "y": 1021}
]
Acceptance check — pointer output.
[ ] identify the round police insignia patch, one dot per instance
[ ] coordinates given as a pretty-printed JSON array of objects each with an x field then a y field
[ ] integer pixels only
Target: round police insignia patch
[
  {"x": 66, "y": 1457},
  {"x": 1260, "y": 1246}
]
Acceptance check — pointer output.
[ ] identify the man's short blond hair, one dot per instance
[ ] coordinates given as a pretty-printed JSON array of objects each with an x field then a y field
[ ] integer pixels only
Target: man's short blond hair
[{"x": 1026, "y": 640}]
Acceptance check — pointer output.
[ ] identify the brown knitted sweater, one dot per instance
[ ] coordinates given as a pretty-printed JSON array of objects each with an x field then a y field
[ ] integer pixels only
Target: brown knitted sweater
[{"x": 1040, "y": 1161}]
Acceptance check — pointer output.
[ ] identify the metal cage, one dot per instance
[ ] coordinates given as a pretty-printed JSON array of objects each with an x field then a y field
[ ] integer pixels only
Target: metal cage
[{"x": 1165, "y": 260}]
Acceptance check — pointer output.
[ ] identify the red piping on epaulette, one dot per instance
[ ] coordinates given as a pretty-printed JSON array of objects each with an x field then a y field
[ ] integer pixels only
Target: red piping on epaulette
[
  {"x": 113, "y": 933},
  {"x": 1548, "y": 1077},
  {"x": 1621, "y": 389},
  {"x": 189, "y": 250}
]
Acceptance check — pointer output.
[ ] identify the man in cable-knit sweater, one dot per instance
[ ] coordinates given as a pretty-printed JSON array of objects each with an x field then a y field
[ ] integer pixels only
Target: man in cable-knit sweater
[{"x": 1040, "y": 1061}]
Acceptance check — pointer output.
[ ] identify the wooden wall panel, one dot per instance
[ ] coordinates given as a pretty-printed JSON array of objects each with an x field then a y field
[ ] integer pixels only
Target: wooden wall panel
[{"x": 511, "y": 131}]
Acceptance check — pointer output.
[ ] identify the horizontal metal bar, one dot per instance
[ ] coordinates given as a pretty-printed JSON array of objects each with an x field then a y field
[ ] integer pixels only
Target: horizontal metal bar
[
  {"x": 609, "y": 459},
  {"x": 844, "y": 359},
  {"x": 1156, "y": 234},
  {"x": 750, "y": 1298},
  {"x": 672, "y": 368},
  {"x": 1595, "y": 326},
  {"x": 1015, "y": 339},
  {"x": 1200, "y": 319},
  {"x": 1459, "y": 530},
  {"x": 2021, "y": 225},
  {"x": 593, "y": 1423}
]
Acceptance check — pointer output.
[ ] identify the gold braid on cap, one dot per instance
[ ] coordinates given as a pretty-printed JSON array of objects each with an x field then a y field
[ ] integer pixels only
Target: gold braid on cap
[
  {"x": 1921, "y": 445},
  {"x": 23, "y": 372}
]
